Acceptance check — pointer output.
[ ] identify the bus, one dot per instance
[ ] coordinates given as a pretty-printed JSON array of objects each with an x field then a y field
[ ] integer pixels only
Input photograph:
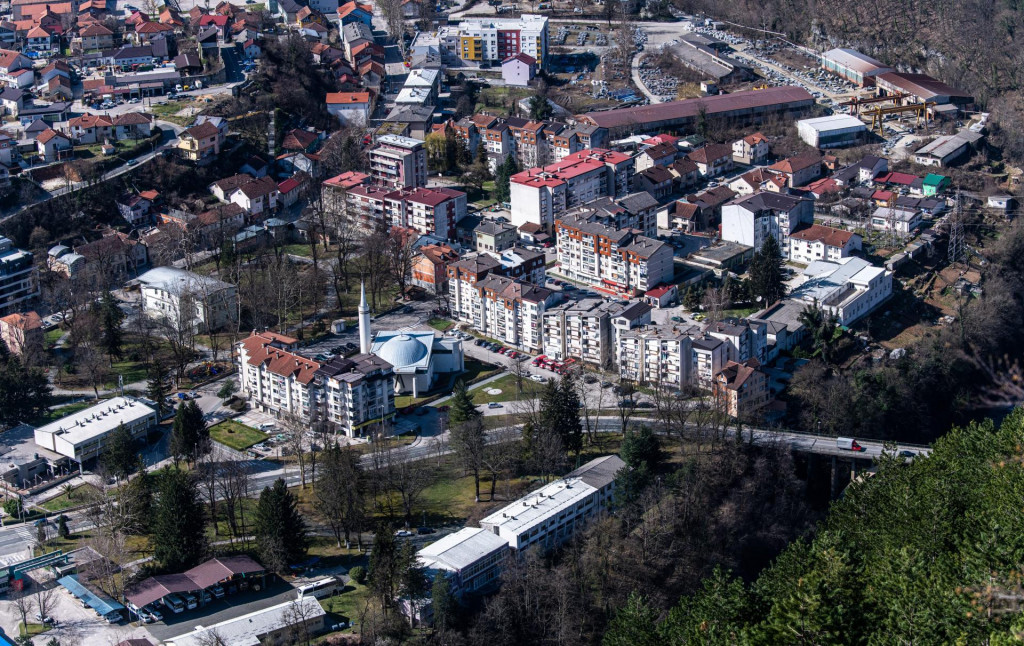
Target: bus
[
  {"x": 174, "y": 602},
  {"x": 319, "y": 589}
]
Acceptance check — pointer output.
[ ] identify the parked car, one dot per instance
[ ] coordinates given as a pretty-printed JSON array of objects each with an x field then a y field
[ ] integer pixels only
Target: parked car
[
  {"x": 403, "y": 533},
  {"x": 266, "y": 426},
  {"x": 494, "y": 405},
  {"x": 423, "y": 531}
]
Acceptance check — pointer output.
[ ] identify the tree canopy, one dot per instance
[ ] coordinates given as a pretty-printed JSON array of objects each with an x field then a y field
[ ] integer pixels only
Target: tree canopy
[
  {"x": 766, "y": 272},
  {"x": 179, "y": 541},
  {"x": 280, "y": 529}
]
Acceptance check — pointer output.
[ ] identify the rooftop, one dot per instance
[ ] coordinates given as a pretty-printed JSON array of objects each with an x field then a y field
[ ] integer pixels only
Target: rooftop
[
  {"x": 460, "y": 550},
  {"x": 97, "y": 420},
  {"x": 176, "y": 281},
  {"x": 247, "y": 629}
]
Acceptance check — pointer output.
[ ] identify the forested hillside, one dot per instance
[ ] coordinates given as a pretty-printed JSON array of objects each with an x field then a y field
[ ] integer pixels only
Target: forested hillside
[{"x": 929, "y": 552}]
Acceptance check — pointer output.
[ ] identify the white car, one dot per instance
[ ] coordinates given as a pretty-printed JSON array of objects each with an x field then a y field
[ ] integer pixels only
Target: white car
[
  {"x": 539, "y": 379},
  {"x": 404, "y": 533}
]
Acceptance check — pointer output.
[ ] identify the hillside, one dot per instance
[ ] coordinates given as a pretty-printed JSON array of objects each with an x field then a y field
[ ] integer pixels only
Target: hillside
[{"x": 924, "y": 553}]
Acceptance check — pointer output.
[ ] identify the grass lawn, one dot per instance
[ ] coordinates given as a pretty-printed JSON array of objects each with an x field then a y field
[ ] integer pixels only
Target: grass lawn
[
  {"x": 440, "y": 324},
  {"x": 348, "y": 605},
  {"x": 401, "y": 401},
  {"x": 507, "y": 385},
  {"x": 79, "y": 495},
  {"x": 32, "y": 629},
  {"x": 50, "y": 337},
  {"x": 298, "y": 250},
  {"x": 235, "y": 435},
  {"x": 740, "y": 312},
  {"x": 476, "y": 369}
]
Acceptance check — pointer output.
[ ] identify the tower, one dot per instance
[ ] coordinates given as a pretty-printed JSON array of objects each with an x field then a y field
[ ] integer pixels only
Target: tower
[{"x": 364, "y": 320}]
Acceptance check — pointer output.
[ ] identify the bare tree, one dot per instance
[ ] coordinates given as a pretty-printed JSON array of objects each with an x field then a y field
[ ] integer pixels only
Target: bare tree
[
  {"x": 396, "y": 476},
  {"x": 500, "y": 456},
  {"x": 46, "y": 600},
  {"x": 22, "y": 600},
  {"x": 234, "y": 488},
  {"x": 297, "y": 616},
  {"x": 394, "y": 20},
  {"x": 295, "y": 443}
]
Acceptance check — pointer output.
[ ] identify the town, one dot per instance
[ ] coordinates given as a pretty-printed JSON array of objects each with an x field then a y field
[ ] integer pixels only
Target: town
[{"x": 384, "y": 322}]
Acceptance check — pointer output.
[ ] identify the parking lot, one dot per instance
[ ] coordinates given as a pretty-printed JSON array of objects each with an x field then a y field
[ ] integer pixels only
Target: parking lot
[{"x": 218, "y": 610}]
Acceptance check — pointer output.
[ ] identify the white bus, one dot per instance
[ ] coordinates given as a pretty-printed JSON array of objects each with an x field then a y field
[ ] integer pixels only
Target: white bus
[{"x": 319, "y": 589}]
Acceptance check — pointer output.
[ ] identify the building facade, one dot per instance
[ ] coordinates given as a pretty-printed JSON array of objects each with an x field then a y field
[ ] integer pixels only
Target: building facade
[
  {"x": 491, "y": 41},
  {"x": 18, "y": 283},
  {"x": 398, "y": 162}
]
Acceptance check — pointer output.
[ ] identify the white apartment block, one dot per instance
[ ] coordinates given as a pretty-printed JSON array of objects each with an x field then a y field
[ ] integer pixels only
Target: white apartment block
[
  {"x": 749, "y": 220},
  {"x": 656, "y": 355},
  {"x": 745, "y": 340},
  {"x": 17, "y": 277},
  {"x": 348, "y": 393},
  {"x": 539, "y": 194},
  {"x": 511, "y": 311},
  {"x": 709, "y": 357},
  {"x": 176, "y": 296},
  {"x": 553, "y": 513},
  {"x": 492, "y": 40},
  {"x": 610, "y": 258},
  {"x": 582, "y": 330}
]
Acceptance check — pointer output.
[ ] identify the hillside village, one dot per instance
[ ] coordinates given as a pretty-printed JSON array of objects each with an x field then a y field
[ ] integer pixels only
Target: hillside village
[{"x": 388, "y": 250}]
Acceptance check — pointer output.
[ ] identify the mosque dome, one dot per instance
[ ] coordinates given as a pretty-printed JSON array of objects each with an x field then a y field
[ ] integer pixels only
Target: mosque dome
[{"x": 402, "y": 350}]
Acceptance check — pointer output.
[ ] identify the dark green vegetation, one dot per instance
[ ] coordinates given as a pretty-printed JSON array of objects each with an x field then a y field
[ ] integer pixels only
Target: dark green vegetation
[{"x": 922, "y": 553}]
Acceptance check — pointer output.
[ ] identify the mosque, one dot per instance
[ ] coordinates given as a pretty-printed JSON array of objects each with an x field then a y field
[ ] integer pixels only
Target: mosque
[{"x": 419, "y": 359}]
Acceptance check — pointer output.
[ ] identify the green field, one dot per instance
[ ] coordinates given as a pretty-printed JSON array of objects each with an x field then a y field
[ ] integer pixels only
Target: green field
[
  {"x": 79, "y": 495},
  {"x": 63, "y": 411},
  {"x": 349, "y": 604},
  {"x": 442, "y": 325},
  {"x": 507, "y": 385},
  {"x": 33, "y": 629},
  {"x": 235, "y": 435}
]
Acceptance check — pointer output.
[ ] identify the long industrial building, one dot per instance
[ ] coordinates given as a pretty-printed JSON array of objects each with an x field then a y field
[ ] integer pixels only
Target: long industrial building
[
  {"x": 922, "y": 88},
  {"x": 747, "y": 107},
  {"x": 853, "y": 66}
]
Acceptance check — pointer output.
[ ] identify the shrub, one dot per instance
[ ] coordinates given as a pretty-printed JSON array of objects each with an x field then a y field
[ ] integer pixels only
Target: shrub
[{"x": 358, "y": 574}]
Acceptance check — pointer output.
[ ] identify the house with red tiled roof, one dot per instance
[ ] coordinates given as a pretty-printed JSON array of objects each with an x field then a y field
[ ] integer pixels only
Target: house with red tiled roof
[
  {"x": 712, "y": 160},
  {"x": 22, "y": 332},
  {"x": 53, "y": 145},
  {"x": 430, "y": 267},
  {"x": 201, "y": 143},
  {"x": 518, "y": 69},
  {"x": 752, "y": 149},
  {"x": 89, "y": 128},
  {"x": 759, "y": 179},
  {"x": 292, "y": 188},
  {"x": 354, "y": 12},
  {"x": 147, "y": 31},
  {"x": 351, "y": 108},
  {"x": 15, "y": 69},
  {"x": 256, "y": 197},
  {"x": 95, "y": 37},
  {"x": 818, "y": 242},
  {"x": 801, "y": 169},
  {"x": 299, "y": 140}
]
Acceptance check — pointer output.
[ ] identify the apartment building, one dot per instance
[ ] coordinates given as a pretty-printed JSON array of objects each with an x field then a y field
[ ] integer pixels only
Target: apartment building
[
  {"x": 491, "y": 40},
  {"x": 744, "y": 339},
  {"x": 656, "y": 355},
  {"x": 637, "y": 211},
  {"x": 463, "y": 277},
  {"x": 18, "y": 282},
  {"x": 274, "y": 378},
  {"x": 425, "y": 210},
  {"x": 521, "y": 264},
  {"x": 580, "y": 329},
  {"x": 538, "y": 194},
  {"x": 398, "y": 162},
  {"x": 355, "y": 392},
  {"x": 741, "y": 389},
  {"x": 749, "y": 220},
  {"x": 180, "y": 297},
  {"x": 610, "y": 258},
  {"x": 472, "y": 559},
  {"x": 492, "y": 235},
  {"x": 709, "y": 356},
  {"x": 511, "y": 310},
  {"x": 497, "y": 138},
  {"x": 530, "y": 143},
  {"x": 550, "y": 515},
  {"x": 430, "y": 267}
]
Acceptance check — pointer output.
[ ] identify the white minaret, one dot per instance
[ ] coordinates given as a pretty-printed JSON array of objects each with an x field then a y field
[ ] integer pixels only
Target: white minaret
[{"x": 364, "y": 320}]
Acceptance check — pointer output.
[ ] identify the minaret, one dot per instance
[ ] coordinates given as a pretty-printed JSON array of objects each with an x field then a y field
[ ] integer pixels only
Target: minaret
[{"x": 364, "y": 320}]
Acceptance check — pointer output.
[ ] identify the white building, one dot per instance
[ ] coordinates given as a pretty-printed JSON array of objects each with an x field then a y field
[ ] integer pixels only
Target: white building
[
  {"x": 550, "y": 515},
  {"x": 901, "y": 221},
  {"x": 419, "y": 359},
  {"x": 472, "y": 558},
  {"x": 834, "y": 131},
  {"x": 510, "y": 310},
  {"x": 355, "y": 393},
  {"x": 170, "y": 294},
  {"x": 749, "y": 220},
  {"x": 580, "y": 329},
  {"x": 273, "y": 377},
  {"x": 82, "y": 436},
  {"x": 850, "y": 288},
  {"x": 656, "y": 354},
  {"x": 539, "y": 194},
  {"x": 610, "y": 258},
  {"x": 818, "y": 242},
  {"x": 267, "y": 627}
]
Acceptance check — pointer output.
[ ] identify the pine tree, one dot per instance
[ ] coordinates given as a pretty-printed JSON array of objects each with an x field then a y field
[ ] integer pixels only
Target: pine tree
[
  {"x": 635, "y": 624},
  {"x": 111, "y": 317},
  {"x": 766, "y": 273},
  {"x": 179, "y": 540},
  {"x": 640, "y": 447},
  {"x": 120, "y": 457},
  {"x": 280, "y": 529},
  {"x": 156, "y": 389},
  {"x": 714, "y": 615},
  {"x": 62, "y": 527},
  {"x": 461, "y": 407},
  {"x": 189, "y": 436},
  {"x": 443, "y": 603}
]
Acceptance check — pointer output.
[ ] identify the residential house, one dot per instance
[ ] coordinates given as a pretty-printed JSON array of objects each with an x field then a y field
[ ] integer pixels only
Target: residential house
[
  {"x": 712, "y": 160},
  {"x": 656, "y": 180},
  {"x": 15, "y": 69},
  {"x": 800, "y": 170},
  {"x": 751, "y": 219},
  {"x": 518, "y": 69},
  {"x": 741, "y": 389},
  {"x": 818, "y": 242},
  {"x": 896, "y": 220},
  {"x": 492, "y": 235},
  {"x": 201, "y": 142},
  {"x": 52, "y": 145},
  {"x": 22, "y": 332},
  {"x": 759, "y": 179},
  {"x": 95, "y": 37},
  {"x": 256, "y": 197},
  {"x": 662, "y": 154},
  {"x": 12, "y": 100},
  {"x": 750, "y": 150},
  {"x": 350, "y": 108},
  {"x": 134, "y": 208},
  {"x": 430, "y": 267},
  {"x": 188, "y": 300}
]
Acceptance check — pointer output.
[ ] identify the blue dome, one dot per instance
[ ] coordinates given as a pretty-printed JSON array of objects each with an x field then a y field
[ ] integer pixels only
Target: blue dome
[{"x": 402, "y": 350}]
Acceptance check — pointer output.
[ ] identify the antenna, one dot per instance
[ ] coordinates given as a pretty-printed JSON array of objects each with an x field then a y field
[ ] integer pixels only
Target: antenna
[{"x": 957, "y": 247}]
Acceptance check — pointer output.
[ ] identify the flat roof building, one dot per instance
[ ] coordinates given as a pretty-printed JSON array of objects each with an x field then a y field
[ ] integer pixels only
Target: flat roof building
[
  {"x": 82, "y": 435},
  {"x": 834, "y": 131},
  {"x": 267, "y": 626},
  {"x": 550, "y": 515},
  {"x": 472, "y": 556},
  {"x": 853, "y": 66}
]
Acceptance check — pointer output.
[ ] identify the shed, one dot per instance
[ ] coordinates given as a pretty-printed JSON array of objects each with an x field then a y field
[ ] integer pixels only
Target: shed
[{"x": 104, "y": 606}]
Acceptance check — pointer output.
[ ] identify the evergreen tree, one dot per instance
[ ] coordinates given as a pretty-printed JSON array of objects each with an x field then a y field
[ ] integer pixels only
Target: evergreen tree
[
  {"x": 156, "y": 389},
  {"x": 640, "y": 447},
  {"x": 280, "y": 529},
  {"x": 540, "y": 109},
  {"x": 635, "y": 624},
  {"x": 24, "y": 392},
  {"x": 62, "y": 527},
  {"x": 137, "y": 498},
  {"x": 190, "y": 438},
  {"x": 120, "y": 457},
  {"x": 179, "y": 523},
  {"x": 462, "y": 154},
  {"x": 443, "y": 603},
  {"x": 714, "y": 615},
  {"x": 461, "y": 407},
  {"x": 766, "y": 273},
  {"x": 503, "y": 177},
  {"x": 560, "y": 413},
  {"x": 111, "y": 317},
  {"x": 228, "y": 389}
]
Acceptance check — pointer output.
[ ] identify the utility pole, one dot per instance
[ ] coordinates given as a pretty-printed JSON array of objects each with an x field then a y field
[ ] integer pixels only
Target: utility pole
[{"x": 957, "y": 246}]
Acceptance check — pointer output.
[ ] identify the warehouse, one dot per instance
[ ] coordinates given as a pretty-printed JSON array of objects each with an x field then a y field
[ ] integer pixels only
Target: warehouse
[
  {"x": 739, "y": 108},
  {"x": 921, "y": 88},
  {"x": 834, "y": 131},
  {"x": 946, "y": 149},
  {"x": 853, "y": 66}
]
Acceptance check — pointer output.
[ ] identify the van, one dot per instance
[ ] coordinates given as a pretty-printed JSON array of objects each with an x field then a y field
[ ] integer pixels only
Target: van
[
  {"x": 177, "y": 88},
  {"x": 174, "y": 603},
  {"x": 848, "y": 444}
]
